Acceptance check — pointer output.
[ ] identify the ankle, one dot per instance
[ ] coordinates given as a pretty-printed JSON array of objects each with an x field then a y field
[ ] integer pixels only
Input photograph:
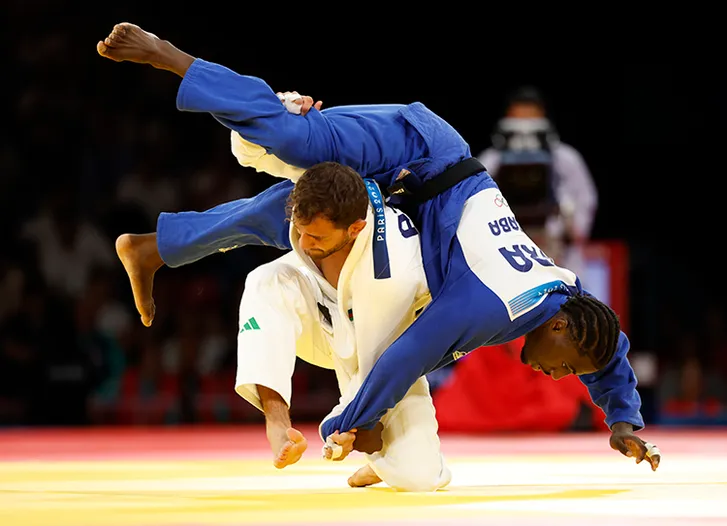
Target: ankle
[
  {"x": 172, "y": 59},
  {"x": 276, "y": 429},
  {"x": 153, "y": 258}
]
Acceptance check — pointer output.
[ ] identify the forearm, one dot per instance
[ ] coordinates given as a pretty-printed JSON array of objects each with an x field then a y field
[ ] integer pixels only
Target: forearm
[
  {"x": 415, "y": 353},
  {"x": 622, "y": 427},
  {"x": 369, "y": 440},
  {"x": 613, "y": 389}
]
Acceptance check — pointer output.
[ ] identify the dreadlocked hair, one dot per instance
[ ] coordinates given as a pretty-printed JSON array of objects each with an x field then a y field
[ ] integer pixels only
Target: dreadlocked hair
[{"x": 594, "y": 326}]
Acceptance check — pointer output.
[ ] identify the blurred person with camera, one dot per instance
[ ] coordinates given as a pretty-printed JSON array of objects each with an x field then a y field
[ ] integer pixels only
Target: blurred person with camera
[{"x": 546, "y": 181}]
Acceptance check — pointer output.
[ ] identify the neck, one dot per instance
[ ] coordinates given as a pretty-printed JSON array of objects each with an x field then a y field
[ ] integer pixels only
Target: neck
[{"x": 332, "y": 265}]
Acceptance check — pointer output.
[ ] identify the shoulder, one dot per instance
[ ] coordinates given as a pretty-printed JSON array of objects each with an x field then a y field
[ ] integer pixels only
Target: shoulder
[{"x": 566, "y": 153}]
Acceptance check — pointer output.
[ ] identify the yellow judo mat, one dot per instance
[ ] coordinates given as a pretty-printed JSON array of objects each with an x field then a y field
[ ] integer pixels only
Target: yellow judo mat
[{"x": 86, "y": 482}]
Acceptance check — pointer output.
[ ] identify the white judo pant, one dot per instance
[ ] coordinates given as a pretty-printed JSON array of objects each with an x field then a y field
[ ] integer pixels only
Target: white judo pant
[{"x": 279, "y": 320}]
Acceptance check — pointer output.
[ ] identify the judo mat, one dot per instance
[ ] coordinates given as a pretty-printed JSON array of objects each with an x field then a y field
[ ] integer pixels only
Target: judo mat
[{"x": 224, "y": 475}]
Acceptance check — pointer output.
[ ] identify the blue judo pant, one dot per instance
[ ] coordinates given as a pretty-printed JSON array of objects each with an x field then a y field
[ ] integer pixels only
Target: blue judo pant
[{"x": 186, "y": 237}]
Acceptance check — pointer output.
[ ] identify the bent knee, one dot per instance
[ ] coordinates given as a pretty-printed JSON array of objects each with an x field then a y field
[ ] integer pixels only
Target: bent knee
[
  {"x": 421, "y": 474},
  {"x": 417, "y": 478}
]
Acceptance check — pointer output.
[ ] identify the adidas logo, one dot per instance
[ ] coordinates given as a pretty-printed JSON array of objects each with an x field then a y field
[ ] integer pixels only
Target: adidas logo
[{"x": 250, "y": 325}]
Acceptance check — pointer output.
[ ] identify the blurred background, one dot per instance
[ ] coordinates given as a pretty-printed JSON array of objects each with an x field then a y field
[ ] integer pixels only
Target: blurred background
[{"x": 616, "y": 169}]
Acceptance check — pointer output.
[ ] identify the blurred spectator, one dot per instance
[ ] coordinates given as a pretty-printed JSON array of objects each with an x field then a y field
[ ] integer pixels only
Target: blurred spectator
[
  {"x": 149, "y": 394},
  {"x": 150, "y": 188},
  {"x": 21, "y": 373},
  {"x": 69, "y": 246},
  {"x": 12, "y": 282},
  {"x": 691, "y": 392},
  {"x": 545, "y": 180},
  {"x": 716, "y": 344},
  {"x": 104, "y": 326}
]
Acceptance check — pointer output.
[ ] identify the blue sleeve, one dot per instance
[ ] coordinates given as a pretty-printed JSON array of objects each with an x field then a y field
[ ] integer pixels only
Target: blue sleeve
[
  {"x": 613, "y": 389},
  {"x": 439, "y": 331},
  {"x": 370, "y": 139}
]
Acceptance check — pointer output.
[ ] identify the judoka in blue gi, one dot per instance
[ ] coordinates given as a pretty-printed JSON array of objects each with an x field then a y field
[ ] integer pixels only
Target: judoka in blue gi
[{"x": 489, "y": 282}]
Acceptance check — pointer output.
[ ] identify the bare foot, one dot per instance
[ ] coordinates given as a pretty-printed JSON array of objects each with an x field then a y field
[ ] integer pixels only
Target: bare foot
[
  {"x": 363, "y": 477},
  {"x": 140, "y": 257},
  {"x": 290, "y": 449},
  {"x": 129, "y": 42}
]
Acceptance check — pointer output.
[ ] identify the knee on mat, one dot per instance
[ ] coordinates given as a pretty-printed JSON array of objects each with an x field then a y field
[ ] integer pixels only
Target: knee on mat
[
  {"x": 416, "y": 477},
  {"x": 416, "y": 485}
]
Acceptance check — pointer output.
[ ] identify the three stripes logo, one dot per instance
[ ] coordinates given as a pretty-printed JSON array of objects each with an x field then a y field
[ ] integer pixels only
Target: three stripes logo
[{"x": 250, "y": 325}]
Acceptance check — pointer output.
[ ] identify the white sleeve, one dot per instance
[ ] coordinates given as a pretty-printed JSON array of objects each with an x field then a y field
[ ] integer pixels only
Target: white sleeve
[{"x": 254, "y": 156}]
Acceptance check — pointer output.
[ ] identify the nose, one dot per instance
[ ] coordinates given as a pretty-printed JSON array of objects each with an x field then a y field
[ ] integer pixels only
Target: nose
[
  {"x": 306, "y": 243},
  {"x": 555, "y": 374},
  {"x": 560, "y": 372}
]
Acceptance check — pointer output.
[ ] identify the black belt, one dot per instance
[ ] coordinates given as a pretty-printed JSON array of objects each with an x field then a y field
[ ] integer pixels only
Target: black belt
[{"x": 437, "y": 184}]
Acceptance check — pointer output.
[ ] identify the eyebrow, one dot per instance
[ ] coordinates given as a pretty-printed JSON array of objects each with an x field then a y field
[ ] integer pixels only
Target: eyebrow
[{"x": 309, "y": 235}]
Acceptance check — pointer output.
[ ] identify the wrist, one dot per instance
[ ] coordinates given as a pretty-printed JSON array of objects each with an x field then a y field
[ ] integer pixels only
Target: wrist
[{"x": 622, "y": 427}]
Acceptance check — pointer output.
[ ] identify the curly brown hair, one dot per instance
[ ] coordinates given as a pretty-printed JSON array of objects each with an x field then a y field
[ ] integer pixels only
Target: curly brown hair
[{"x": 332, "y": 190}]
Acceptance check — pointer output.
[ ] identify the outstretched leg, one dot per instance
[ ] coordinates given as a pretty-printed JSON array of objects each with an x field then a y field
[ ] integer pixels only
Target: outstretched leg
[
  {"x": 140, "y": 257},
  {"x": 128, "y": 42},
  {"x": 185, "y": 237}
]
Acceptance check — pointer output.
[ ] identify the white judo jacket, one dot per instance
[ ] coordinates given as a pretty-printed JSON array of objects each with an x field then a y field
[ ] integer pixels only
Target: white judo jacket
[{"x": 381, "y": 309}]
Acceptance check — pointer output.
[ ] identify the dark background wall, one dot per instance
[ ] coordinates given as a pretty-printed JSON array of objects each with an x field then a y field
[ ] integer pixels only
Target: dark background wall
[{"x": 76, "y": 127}]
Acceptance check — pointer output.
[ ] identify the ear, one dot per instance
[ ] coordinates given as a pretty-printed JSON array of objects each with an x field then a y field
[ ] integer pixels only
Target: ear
[
  {"x": 356, "y": 227},
  {"x": 559, "y": 324}
]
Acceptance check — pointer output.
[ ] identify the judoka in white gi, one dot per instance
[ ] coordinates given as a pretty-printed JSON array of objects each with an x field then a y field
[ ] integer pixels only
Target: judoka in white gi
[{"x": 290, "y": 307}]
